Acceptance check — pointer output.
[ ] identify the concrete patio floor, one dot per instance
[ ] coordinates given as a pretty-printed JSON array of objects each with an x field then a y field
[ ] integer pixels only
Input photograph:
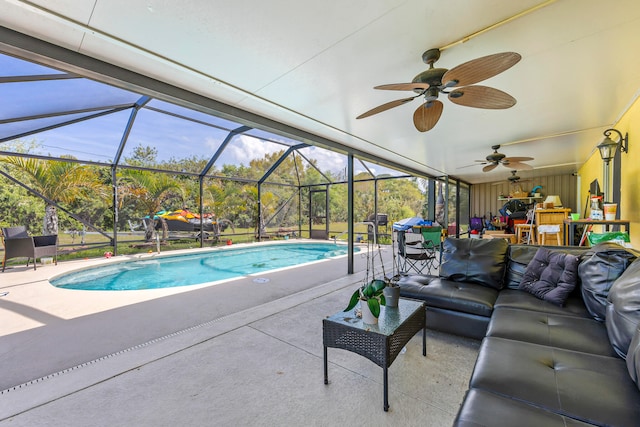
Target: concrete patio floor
[{"x": 236, "y": 353}]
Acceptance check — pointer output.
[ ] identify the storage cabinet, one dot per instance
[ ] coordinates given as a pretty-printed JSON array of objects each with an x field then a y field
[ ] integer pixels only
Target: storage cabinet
[{"x": 552, "y": 217}]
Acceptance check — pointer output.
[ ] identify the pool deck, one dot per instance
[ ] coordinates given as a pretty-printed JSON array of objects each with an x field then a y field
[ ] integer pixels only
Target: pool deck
[{"x": 240, "y": 352}]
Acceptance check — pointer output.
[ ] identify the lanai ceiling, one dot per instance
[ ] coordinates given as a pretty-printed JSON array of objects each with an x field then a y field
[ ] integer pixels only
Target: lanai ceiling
[{"x": 313, "y": 65}]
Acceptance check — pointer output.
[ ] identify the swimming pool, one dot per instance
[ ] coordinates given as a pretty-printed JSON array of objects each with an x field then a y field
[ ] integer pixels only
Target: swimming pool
[{"x": 195, "y": 268}]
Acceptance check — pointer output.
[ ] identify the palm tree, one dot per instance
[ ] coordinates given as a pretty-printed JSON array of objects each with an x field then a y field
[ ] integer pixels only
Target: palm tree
[
  {"x": 58, "y": 181},
  {"x": 150, "y": 190}
]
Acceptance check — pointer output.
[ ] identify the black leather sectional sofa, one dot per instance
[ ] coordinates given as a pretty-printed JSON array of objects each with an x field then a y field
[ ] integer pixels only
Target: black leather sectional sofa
[{"x": 540, "y": 363}]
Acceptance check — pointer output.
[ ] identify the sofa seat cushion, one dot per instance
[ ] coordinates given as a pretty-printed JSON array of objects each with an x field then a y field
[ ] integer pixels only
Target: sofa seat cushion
[
  {"x": 590, "y": 388},
  {"x": 447, "y": 294},
  {"x": 481, "y": 408},
  {"x": 423, "y": 279},
  {"x": 555, "y": 330},
  {"x": 480, "y": 261},
  {"x": 511, "y": 298}
]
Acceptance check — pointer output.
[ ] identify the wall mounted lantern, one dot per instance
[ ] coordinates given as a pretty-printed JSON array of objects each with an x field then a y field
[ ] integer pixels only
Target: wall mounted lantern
[{"x": 608, "y": 147}]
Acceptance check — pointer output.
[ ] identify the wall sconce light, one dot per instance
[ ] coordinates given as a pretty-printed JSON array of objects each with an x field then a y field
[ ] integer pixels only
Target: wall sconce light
[{"x": 608, "y": 147}]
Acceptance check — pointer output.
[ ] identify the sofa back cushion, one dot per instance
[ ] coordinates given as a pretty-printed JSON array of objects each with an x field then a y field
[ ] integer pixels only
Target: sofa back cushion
[
  {"x": 480, "y": 261},
  {"x": 518, "y": 257},
  {"x": 599, "y": 269},
  {"x": 18, "y": 232},
  {"x": 623, "y": 308}
]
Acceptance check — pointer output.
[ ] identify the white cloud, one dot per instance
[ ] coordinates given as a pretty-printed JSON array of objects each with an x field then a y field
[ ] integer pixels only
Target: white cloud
[
  {"x": 212, "y": 143},
  {"x": 326, "y": 160},
  {"x": 244, "y": 148}
]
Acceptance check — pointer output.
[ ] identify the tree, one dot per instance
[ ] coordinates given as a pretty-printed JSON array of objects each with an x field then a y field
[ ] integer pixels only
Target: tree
[
  {"x": 17, "y": 204},
  {"x": 143, "y": 156},
  {"x": 400, "y": 198},
  {"x": 59, "y": 181},
  {"x": 150, "y": 190}
]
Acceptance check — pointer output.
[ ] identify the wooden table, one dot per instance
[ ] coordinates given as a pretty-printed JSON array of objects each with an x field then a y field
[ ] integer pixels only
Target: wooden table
[
  {"x": 511, "y": 238},
  {"x": 570, "y": 227}
]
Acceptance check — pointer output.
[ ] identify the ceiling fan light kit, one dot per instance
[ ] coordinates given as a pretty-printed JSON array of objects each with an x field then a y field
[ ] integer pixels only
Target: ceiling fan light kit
[
  {"x": 434, "y": 81},
  {"x": 513, "y": 178}
]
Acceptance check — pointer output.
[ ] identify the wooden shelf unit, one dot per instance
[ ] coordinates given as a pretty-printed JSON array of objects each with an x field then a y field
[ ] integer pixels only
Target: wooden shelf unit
[
  {"x": 530, "y": 199},
  {"x": 554, "y": 216}
]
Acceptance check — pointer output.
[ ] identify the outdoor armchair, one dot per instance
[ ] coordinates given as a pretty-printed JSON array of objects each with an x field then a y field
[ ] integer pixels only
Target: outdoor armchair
[{"x": 18, "y": 243}]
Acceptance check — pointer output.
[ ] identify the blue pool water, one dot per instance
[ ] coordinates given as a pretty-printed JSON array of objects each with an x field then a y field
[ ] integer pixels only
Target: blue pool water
[{"x": 190, "y": 269}]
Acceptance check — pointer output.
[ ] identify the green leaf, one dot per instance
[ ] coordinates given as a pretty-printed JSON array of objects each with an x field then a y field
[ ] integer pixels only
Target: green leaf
[
  {"x": 378, "y": 285},
  {"x": 354, "y": 300},
  {"x": 383, "y": 300},
  {"x": 374, "y": 306},
  {"x": 368, "y": 291}
]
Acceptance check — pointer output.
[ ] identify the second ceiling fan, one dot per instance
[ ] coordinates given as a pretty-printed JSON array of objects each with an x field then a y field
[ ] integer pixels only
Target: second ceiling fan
[
  {"x": 434, "y": 81},
  {"x": 494, "y": 159}
]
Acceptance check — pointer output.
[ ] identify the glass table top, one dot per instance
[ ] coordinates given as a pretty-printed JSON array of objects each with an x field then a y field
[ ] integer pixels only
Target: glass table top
[{"x": 389, "y": 320}]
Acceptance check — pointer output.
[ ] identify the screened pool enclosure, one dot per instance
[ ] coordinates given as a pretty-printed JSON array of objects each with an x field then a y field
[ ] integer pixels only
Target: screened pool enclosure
[{"x": 87, "y": 148}]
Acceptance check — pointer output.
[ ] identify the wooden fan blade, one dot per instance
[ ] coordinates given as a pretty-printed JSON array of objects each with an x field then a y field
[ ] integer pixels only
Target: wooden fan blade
[
  {"x": 482, "y": 97},
  {"x": 517, "y": 165},
  {"x": 385, "y": 107},
  {"x": 517, "y": 159},
  {"x": 404, "y": 86},
  {"x": 490, "y": 167},
  {"x": 479, "y": 162},
  {"x": 480, "y": 69},
  {"x": 427, "y": 115}
]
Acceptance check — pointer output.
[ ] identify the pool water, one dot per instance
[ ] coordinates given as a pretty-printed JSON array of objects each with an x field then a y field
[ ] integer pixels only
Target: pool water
[{"x": 190, "y": 269}]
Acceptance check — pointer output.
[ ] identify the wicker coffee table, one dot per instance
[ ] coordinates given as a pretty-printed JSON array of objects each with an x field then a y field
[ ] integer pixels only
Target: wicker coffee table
[{"x": 379, "y": 343}]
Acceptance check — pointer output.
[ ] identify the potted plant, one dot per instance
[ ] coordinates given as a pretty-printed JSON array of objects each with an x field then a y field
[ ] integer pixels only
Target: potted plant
[
  {"x": 392, "y": 292},
  {"x": 371, "y": 297}
]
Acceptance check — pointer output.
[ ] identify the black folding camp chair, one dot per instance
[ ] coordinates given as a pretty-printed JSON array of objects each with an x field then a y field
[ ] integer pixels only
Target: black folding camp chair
[
  {"x": 414, "y": 256},
  {"x": 432, "y": 244}
]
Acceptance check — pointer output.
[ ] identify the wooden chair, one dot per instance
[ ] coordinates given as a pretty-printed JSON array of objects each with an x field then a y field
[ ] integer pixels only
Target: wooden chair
[
  {"x": 527, "y": 230},
  {"x": 547, "y": 230},
  {"x": 18, "y": 244}
]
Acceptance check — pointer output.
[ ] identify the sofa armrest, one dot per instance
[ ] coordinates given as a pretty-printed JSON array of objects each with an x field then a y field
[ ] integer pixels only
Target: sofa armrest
[{"x": 18, "y": 247}]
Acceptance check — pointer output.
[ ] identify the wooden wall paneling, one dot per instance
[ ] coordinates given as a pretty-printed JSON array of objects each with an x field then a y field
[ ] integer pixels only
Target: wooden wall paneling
[{"x": 484, "y": 197}]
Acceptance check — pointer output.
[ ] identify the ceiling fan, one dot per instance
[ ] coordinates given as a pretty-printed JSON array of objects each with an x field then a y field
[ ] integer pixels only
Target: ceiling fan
[
  {"x": 494, "y": 159},
  {"x": 432, "y": 82},
  {"x": 513, "y": 178}
]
